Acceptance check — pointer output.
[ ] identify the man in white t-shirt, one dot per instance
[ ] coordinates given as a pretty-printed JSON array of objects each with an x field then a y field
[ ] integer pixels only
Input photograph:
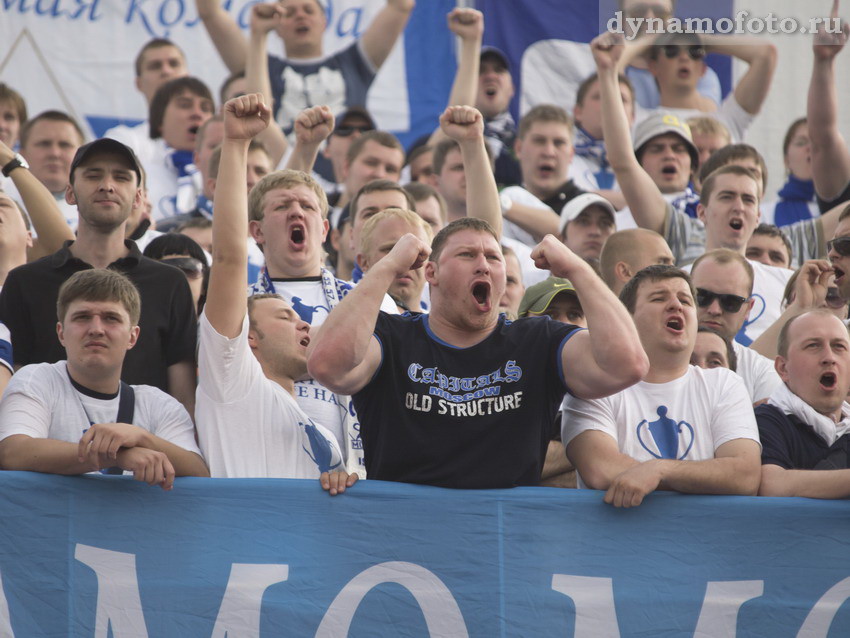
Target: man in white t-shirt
[
  {"x": 727, "y": 302},
  {"x": 682, "y": 428},
  {"x": 76, "y": 416},
  {"x": 251, "y": 353}
]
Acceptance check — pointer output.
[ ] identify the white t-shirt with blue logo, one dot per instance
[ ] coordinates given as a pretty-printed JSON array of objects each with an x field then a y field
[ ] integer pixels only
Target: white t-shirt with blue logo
[
  {"x": 684, "y": 419},
  {"x": 248, "y": 425}
]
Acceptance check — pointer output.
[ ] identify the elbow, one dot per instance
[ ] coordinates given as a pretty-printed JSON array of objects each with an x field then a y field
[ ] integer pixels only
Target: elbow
[
  {"x": 749, "y": 481},
  {"x": 321, "y": 368},
  {"x": 635, "y": 368},
  {"x": 595, "y": 477}
]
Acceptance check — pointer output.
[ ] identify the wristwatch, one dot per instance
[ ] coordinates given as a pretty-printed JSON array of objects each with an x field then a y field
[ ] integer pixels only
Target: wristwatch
[{"x": 17, "y": 162}]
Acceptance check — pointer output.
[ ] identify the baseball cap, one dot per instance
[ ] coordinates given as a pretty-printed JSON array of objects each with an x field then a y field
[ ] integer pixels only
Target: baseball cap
[
  {"x": 662, "y": 123},
  {"x": 576, "y": 206},
  {"x": 353, "y": 112},
  {"x": 493, "y": 54},
  {"x": 537, "y": 298},
  {"x": 106, "y": 145}
]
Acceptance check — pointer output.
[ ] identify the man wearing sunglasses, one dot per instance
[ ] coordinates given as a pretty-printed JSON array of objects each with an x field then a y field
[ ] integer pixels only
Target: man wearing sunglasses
[
  {"x": 723, "y": 280},
  {"x": 648, "y": 436},
  {"x": 677, "y": 62}
]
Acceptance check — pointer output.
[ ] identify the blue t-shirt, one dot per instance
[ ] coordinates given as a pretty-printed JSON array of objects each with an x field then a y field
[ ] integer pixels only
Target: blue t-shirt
[
  {"x": 339, "y": 81},
  {"x": 473, "y": 418}
]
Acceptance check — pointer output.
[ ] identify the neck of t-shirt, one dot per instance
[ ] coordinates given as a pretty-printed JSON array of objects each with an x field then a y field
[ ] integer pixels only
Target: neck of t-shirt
[
  {"x": 97, "y": 248},
  {"x": 666, "y": 367},
  {"x": 105, "y": 390}
]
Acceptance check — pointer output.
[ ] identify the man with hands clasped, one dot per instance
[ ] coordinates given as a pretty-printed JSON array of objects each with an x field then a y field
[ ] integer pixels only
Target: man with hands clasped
[{"x": 462, "y": 397}]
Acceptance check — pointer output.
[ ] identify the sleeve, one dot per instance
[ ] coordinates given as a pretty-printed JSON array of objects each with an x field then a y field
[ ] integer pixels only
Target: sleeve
[
  {"x": 579, "y": 415},
  {"x": 709, "y": 86},
  {"x": 684, "y": 234},
  {"x": 829, "y": 205},
  {"x": 733, "y": 416},
  {"x": 276, "y": 67},
  {"x": 561, "y": 333},
  {"x": 763, "y": 377},
  {"x": 168, "y": 418},
  {"x": 14, "y": 313},
  {"x": 806, "y": 237},
  {"x": 736, "y": 119},
  {"x": 25, "y": 408},
  {"x": 226, "y": 367},
  {"x": 6, "y": 348},
  {"x": 182, "y": 338},
  {"x": 775, "y": 449}
]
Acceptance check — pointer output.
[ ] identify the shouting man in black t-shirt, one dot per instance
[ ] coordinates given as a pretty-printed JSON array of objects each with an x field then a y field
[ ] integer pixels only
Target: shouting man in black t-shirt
[{"x": 463, "y": 397}]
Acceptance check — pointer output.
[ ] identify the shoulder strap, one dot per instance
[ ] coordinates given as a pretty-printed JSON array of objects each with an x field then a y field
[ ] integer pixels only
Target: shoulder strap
[{"x": 126, "y": 404}]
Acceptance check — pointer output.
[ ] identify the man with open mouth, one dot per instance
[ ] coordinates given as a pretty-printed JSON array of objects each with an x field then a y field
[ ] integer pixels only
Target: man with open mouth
[
  {"x": 648, "y": 436},
  {"x": 804, "y": 427}
]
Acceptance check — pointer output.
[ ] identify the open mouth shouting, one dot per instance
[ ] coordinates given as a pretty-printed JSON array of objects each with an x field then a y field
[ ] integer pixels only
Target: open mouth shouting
[
  {"x": 305, "y": 341},
  {"x": 828, "y": 381},
  {"x": 736, "y": 224},
  {"x": 670, "y": 170},
  {"x": 481, "y": 295},
  {"x": 675, "y": 324},
  {"x": 546, "y": 170},
  {"x": 297, "y": 236}
]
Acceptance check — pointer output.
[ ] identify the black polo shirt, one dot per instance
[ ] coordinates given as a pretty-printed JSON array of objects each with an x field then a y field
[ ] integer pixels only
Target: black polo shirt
[
  {"x": 566, "y": 191},
  {"x": 168, "y": 323},
  {"x": 793, "y": 445}
]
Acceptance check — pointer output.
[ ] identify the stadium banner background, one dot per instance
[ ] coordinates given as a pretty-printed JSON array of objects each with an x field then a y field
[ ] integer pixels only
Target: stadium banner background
[{"x": 107, "y": 556}]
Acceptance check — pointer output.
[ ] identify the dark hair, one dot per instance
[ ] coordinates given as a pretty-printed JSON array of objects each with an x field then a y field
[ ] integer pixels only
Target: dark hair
[
  {"x": 544, "y": 113},
  {"x": 202, "y": 130},
  {"x": 728, "y": 169},
  {"x": 729, "y": 154},
  {"x": 791, "y": 132},
  {"x": 458, "y": 225},
  {"x": 381, "y": 137},
  {"x": 731, "y": 357},
  {"x": 175, "y": 243},
  {"x": 655, "y": 272},
  {"x": 8, "y": 94},
  {"x": 377, "y": 186},
  {"x": 230, "y": 79},
  {"x": 50, "y": 116},
  {"x": 156, "y": 43},
  {"x": 769, "y": 230},
  {"x": 215, "y": 157},
  {"x": 99, "y": 284},
  {"x": 166, "y": 93},
  {"x": 591, "y": 79},
  {"x": 441, "y": 151}
]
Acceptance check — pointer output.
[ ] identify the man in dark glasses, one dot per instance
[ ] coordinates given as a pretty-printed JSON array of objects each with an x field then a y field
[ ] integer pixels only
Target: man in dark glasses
[
  {"x": 646, "y": 437},
  {"x": 724, "y": 295},
  {"x": 838, "y": 252},
  {"x": 806, "y": 424}
]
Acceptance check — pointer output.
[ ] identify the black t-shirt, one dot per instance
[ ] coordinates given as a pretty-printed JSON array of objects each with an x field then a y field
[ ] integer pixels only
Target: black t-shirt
[
  {"x": 567, "y": 191},
  {"x": 168, "y": 323},
  {"x": 477, "y": 417},
  {"x": 843, "y": 196},
  {"x": 793, "y": 445}
]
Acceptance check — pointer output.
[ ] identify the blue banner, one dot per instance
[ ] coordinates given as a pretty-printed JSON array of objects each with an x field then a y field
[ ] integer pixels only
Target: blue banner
[{"x": 107, "y": 556}]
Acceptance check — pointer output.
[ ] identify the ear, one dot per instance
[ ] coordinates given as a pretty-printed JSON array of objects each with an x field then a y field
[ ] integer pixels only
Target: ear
[
  {"x": 210, "y": 184},
  {"x": 750, "y": 304},
  {"x": 430, "y": 272},
  {"x": 137, "y": 83},
  {"x": 517, "y": 146},
  {"x": 433, "y": 180},
  {"x": 345, "y": 167},
  {"x": 60, "y": 333},
  {"x": 622, "y": 271},
  {"x": 69, "y": 195},
  {"x": 781, "y": 365},
  {"x": 361, "y": 260},
  {"x": 256, "y": 229},
  {"x": 137, "y": 199},
  {"x": 134, "y": 337},
  {"x": 29, "y": 239},
  {"x": 701, "y": 213},
  {"x": 252, "y": 339},
  {"x": 348, "y": 237},
  {"x": 326, "y": 225},
  {"x": 335, "y": 239}
]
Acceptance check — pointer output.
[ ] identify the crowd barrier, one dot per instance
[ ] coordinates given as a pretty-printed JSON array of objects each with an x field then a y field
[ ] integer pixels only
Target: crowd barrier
[{"x": 107, "y": 556}]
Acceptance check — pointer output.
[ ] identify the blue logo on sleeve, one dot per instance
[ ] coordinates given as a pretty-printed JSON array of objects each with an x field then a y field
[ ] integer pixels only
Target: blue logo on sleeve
[{"x": 665, "y": 435}]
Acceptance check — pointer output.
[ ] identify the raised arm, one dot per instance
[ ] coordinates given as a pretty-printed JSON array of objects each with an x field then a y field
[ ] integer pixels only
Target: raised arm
[
  {"x": 830, "y": 157},
  {"x": 608, "y": 356},
  {"x": 646, "y": 202},
  {"x": 468, "y": 25},
  {"x": 264, "y": 18},
  {"x": 312, "y": 127},
  {"x": 382, "y": 34},
  {"x": 244, "y": 117},
  {"x": 752, "y": 88},
  {"x": 225, "y": 34},
  {"x": 344, "y": 355},
  {"x": 47, "y": 219},
  {"x": 465, "y": 125}
]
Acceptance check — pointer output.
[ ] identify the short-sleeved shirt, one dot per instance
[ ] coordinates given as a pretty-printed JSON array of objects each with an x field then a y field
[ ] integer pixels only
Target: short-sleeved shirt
[
  {"x": 477, "y": 417},
  {"x": 42, "y": 402},
  {"x": 248, "y": 425},
  {"x": 168, "y": 322},
  {"x": 794, "y": 445},
  {"x": 684, "y": 419},
  {"x": 339, "y": 81}
]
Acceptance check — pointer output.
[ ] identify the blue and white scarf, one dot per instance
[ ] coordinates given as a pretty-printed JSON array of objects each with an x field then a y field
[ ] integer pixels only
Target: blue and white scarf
[{"x": 593, "y": 150}]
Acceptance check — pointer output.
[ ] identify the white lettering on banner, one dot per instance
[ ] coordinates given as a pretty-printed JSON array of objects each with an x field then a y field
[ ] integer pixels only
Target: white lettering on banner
[
  {"x": 593, "y": 598},
  {"x": 820, "y": 618},
  {"x": 441, "y": 612},
  {"x": 239, "y": 614},
  {"x": 5, "y": 618},
  {"x": 118, "y": 600},
  {"x": 719, "y": 613}
]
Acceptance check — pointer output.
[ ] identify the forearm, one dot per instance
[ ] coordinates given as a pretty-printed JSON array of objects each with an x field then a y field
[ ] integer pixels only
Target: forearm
[
  {"x": 382, "y": 34},
  {"x": 728, "y": 475},
  {"x": 303, "y": 157},
  {"x": 751, "y": 90},
  {"x": 537, "y": 221},
  {"x": 25, "y": 453},
  {"x": 482, "y": 194},
  {"x": 465, "y": 85},
  {"x": 185, "y": 462},
  {"x": 230, "y": 216},
  {"x": 225, "y": 34},
  {"x": 777, "y": 481},
  {"x": 634, "y": 50},
  {"x": 257, "y": 81},
  {"x": 47, "y": 220}
]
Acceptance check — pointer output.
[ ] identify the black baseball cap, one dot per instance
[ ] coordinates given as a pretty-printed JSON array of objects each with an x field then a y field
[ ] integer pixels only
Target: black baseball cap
[
  {"x": 493, "y": 54},
  {"x": 106, "y": 145}
]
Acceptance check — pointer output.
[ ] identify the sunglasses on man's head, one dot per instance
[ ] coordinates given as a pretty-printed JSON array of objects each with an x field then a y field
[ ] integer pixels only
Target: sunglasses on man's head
[
  {"x": 695, "y": 51},
  {"x": 841, "y": 245},
  {"x": 345, "y": 131},
  {"x": 729, "y": 303}
]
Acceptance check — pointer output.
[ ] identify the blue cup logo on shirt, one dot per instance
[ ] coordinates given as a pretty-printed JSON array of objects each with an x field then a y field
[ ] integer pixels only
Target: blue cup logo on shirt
[{"x": 664, "y": 437}]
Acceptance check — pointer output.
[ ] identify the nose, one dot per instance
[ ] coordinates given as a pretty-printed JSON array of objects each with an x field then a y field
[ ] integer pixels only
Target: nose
[
  {"x": 95, "y": 325},
  {"x": 714, "y": 308}
]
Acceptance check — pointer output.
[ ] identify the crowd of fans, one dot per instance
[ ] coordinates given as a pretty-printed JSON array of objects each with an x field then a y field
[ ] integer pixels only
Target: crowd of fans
[{"x": 601, "y": 295}]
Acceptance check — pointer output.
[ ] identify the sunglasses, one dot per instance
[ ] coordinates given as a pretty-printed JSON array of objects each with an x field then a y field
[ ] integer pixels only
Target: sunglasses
[
  {"x": 642, "y": 9},
  {"x": 695, "y": 51},
  {"x": 191, "y": 267},
  {"x": 841, "y": 245},
  {"x": 729, "y": 303},
  {"x": 346, "y": 131}
]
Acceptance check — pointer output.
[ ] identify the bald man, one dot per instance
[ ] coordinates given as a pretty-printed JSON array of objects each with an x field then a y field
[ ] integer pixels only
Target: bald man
[{"x": 628, "y": 251}]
